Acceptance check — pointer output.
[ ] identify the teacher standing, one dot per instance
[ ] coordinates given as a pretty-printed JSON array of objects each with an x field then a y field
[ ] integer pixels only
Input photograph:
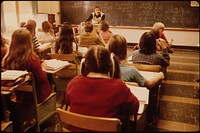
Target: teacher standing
[{"x": 96, "y": 16}]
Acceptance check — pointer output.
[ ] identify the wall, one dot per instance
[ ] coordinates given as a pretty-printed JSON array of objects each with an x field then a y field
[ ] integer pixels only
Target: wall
[
  {"x": 49, "y": 7},
  {"x": 180, "y": 37}
]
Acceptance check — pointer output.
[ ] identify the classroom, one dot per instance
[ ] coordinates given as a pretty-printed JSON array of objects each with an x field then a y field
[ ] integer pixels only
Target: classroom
[{"x": 114, "y": 66}]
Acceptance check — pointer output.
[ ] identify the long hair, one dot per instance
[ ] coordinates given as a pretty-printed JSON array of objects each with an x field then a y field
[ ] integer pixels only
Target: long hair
[
  {"x": 20, "y": 50},
  {"x": 147, "y": 43},
  {"x": 66, "y": 39},
  {"x": 99, "y": 60},
  {"x": 117, "y": 44}
]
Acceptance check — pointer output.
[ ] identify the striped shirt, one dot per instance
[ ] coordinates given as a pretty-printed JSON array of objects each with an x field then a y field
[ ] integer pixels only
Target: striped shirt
[{"x": 36, "y": 44}]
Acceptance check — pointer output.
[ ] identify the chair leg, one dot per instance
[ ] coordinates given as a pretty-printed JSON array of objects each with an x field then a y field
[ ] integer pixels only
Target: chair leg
[
  {"x": 63, "y": 101},
  {"x": 37, "y": 127}
]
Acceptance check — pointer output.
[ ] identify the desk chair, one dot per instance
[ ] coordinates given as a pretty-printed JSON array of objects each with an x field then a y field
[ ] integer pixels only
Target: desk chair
[
  {"x": 93, "y": 123},
  {"x": 6, "y": 126},
  {"x": 44, "y": 110},
  {"x": 154, "y": 95},
  {"x": 61, "y": 83}
]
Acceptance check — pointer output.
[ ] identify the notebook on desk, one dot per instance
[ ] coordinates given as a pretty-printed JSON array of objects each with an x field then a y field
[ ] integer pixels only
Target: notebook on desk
[
  {"x": 142, "y": 93},
  {"x": 54, "y": 65},
  {"x": 12, "y": 74}
]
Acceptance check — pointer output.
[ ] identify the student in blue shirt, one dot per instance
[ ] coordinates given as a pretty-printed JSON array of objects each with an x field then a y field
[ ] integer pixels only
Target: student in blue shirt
[{"x": 118, "y": 45}]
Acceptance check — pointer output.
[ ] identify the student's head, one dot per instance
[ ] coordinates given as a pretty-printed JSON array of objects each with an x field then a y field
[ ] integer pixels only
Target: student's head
[
  {"x": 88, "y": 27},
  {"x": 46, "y": 26},
  {"x": 22, "y": 24},
  {"x": 67, "y": 31},
  {"x": 117, "y": 44},
  {"x": 20, "y": 50},
  {"x": 104, "y": 25},
  {"x": 65, "y": 41},
  {"x": 99, "y": 60},
  {"x": 159, "y": 26},
  {"x": 147, "y": 43},
  {"x": 67, "y": 23},
  {"x": 97, "y": 10},
  {"x": 31, "y": 26}
]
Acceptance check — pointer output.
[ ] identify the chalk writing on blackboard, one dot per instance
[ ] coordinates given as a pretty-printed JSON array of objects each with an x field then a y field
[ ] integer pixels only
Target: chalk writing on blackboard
[{"x": 178, "y": 14}]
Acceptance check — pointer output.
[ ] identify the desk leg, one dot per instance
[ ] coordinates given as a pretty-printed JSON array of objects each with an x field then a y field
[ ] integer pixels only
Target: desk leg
[{"x": 5, "y": 110}]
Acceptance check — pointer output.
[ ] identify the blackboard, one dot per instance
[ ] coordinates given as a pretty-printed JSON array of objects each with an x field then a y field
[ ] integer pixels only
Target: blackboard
[{"x": 177, "y": 14}]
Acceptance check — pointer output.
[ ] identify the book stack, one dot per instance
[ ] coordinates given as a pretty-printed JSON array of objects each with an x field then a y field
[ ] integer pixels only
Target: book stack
[{"x": 55, "y": 65}]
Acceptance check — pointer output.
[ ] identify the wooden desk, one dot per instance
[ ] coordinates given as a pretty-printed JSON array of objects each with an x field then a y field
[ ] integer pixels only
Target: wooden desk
[
  {"x": 151, "y": 76},
  {"x": 142, "y": 93},
  {"x": 138, "y": 122}
]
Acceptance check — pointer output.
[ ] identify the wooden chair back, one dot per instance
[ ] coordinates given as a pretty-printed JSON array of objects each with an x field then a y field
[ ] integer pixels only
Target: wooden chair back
[
  {"x": 43, "y": 110},
  {"x": 93, "y": 123},
  {"x": 61, "y": 83},
  {"x": 145, "y": 67}
]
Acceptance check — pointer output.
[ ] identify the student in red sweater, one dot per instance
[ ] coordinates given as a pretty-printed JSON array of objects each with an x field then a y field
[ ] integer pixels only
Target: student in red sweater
[
  {"x": 99, "y": 91},
  {"x": 21, "y": 56}
]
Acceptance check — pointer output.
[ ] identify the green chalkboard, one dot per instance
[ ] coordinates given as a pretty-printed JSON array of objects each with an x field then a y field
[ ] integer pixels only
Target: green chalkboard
[{"x": 177, "y": 14}]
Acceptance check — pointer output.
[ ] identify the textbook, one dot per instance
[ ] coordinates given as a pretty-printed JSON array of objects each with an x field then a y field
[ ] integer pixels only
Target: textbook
[
  {"x": 12, "y": 74},
  {"x": 55, "y": 64}
]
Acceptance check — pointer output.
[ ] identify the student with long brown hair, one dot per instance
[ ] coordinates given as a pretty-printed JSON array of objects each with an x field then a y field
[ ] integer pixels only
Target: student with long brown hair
[
  {"x": 99, "y": 91},
  {"x": 21, "y": 56}
]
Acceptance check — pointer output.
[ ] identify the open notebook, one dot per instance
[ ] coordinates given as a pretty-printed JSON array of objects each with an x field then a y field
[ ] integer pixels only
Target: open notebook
[
  {"x": 12, "y": 74},
  {"x": 142, "y": 93}
]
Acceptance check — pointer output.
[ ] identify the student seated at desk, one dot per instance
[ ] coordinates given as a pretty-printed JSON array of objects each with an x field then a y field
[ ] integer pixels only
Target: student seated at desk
[
  {"x": 66, "y": 44},
  {"x": 147, "y": 52},
  {"x": 31, "y": 27},
  {"x": 47, "y": 33},
  {"x": 88, "y": 38},
  {"x": 118, "y": 45},
  {"x": 21, "y": 56},
  {"x": 104, "y": 32},
  {"x": 99, "y": 91}
]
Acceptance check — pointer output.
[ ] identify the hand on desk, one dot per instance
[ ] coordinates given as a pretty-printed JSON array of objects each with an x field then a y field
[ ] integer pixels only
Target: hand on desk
[{"x": 152, "y": 78}]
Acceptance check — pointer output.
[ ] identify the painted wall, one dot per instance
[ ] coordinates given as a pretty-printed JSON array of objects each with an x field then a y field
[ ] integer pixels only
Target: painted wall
[{"x": 180, "y": 38}]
